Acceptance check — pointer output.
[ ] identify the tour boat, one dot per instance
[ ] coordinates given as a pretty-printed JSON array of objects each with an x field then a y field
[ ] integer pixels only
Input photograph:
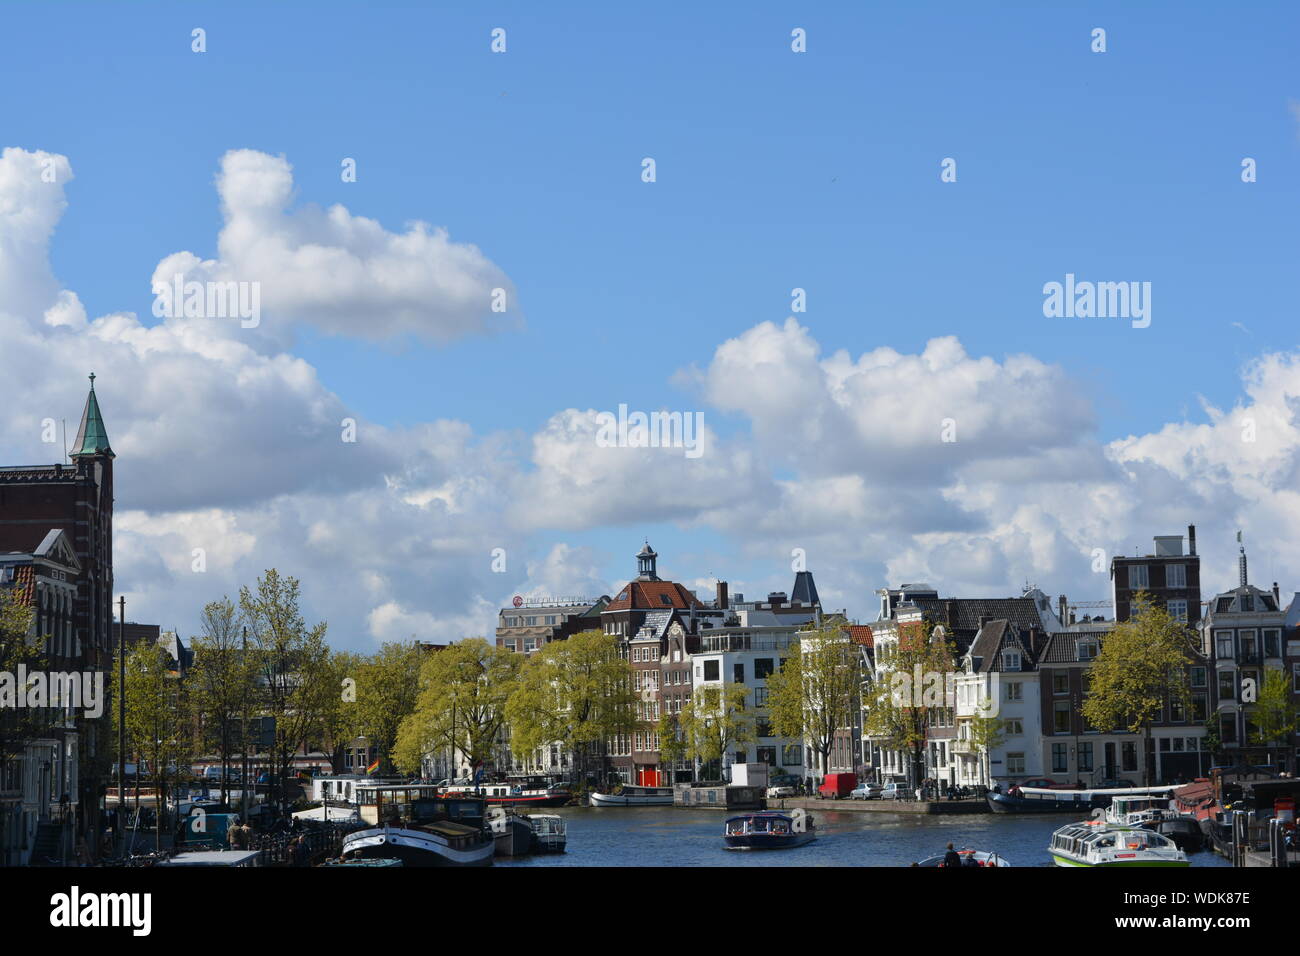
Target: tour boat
[
  {"x": 635, "y": 797},
  {"x": 769, "y": 830},
  {"x": 969, "y": 857},
  {"x": 1098, "y": 843},
  {"x": 549, "y": 832}
]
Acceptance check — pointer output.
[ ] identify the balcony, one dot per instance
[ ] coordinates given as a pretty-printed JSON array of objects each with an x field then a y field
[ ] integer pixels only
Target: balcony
[{"x": 960, "y": 746}]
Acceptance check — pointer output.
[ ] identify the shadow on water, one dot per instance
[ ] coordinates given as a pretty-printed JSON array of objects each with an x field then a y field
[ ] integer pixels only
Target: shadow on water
[{"x": 665, "y": 836}]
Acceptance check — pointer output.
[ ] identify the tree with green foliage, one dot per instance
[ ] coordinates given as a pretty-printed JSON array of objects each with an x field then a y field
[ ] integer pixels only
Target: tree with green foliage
[
  {"x": 18, "y": 648},
  {"x": 672, "y": 744},
  {"x": 387, "y": 687},
  {"x": 817, "y": 691},
  {"x": 987, "y": 732},
  {"x": 221, "y": 683},
  {"x": 1274, "y": 714},
  {"x": 713, "y": 721},
  {"x": 460, "y": 707},
  {"x": 576, "y": 692},
  {"x": 156, "y": 719},
  {"x": 341, "y": 717},
  {"x": 293, "y": 668},
  {"x": 1143, "y": 663}
]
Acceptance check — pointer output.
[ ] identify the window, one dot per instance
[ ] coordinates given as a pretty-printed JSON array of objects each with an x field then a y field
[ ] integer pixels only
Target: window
[
  {"x": 791, "y": 755},
  {"x": 1060, "y": 759},
  {"x": 1177, "y": 712},
  {"x": 1223, "y": 643},
  {"x": 1010, "y": 659},
  {"x": 1129, "y": 755},
  {"x": 1014, "y": 727},
  {"x": 1175, "y": 575},
  {"x": 1086, "y": 649},
  {"x": 1198, "y": 677},
  {"x": 1227, "y": 685},
  {"x": 1015, "y": 691},
  {"x": 1200, "y": 707},
  {"x": 1177, "y": 610},
  {"x": 1137, "y": 577},
  {"x": 1060, "y": 683},
  {"x": 762, "y": 668},
  {"x": 1085, "y": 757},
  {"x": 1015, "y": 763},
  {"x": 738, "y": 673},
  {"x": 711, "y": 670},
  {"x": 1228, "y": 728},
  {"x": 1248, "y": 648},
  {"x": 760, "y": 696},
  {"x": 666, "y": 599},
  {"x": 762, "y": 729},
  {"x": 1061, "y": 717},
  {"x": 1247, "y": 602},
  {"x": 1272, "y": 644},
  {"x": 767, "y": 755},
  {"x": 530, "y": 644}
]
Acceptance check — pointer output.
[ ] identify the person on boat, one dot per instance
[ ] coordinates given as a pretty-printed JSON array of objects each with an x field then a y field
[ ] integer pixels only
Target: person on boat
[{"x": 952, "y": 857}]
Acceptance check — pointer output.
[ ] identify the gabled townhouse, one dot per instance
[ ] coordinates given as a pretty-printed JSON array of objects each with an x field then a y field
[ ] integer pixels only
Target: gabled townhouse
[
  {"x": 1242, "y": 635},
  {"x": 998, "y": 679}
]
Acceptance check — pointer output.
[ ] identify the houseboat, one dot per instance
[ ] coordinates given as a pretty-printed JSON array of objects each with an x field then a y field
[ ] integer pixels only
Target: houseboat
[
  {"x": 549, "y": 832},
  {"x": 1098, "y": 843},
  {"x": 769, "y": 830},
  {"x": 1043, "y": 800},
  {"x": 513, "y": 795},
  {"x": 413, "y": 824},
  {"x": 635, "y": 797},
  {"x": 969, "y": 857}
]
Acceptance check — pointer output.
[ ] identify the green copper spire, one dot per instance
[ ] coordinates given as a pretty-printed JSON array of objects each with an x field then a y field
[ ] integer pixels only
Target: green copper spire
[{"x": 92, "y": 437}]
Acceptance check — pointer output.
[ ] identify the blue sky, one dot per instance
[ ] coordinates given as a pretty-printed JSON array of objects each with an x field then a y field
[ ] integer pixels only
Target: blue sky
[{"x": 775, "y": 170}]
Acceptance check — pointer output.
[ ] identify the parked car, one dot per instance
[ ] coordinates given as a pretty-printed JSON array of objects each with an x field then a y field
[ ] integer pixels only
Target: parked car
[
  {"x": 1043, "y": 783},
  {"x": 866, "y": 791},
  {"x": 775, "y": 793},
  {"x": 896, "y": 791}
]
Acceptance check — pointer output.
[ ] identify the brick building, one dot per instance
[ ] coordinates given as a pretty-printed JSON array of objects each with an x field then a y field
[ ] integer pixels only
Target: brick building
[{"x": 56, "y": 542}]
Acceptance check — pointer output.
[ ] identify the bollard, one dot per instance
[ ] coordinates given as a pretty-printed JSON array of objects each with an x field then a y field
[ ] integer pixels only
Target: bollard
[{"x": 1240, "y": 836}]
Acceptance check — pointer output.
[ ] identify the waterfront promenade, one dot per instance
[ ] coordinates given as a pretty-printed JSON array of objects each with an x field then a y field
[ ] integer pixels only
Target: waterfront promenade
[{"x": 881, "y": 806}]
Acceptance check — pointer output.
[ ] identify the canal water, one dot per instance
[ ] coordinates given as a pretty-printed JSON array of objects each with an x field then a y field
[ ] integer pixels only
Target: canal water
[{"x": 665, "y": 836}]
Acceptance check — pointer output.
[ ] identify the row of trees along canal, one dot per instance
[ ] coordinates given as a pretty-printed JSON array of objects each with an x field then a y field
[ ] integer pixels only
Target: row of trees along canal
[{"x": 258, "y": 663}]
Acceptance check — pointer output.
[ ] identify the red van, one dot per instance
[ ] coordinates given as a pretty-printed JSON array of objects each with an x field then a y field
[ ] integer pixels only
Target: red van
[{"x": 838, "y": 785}]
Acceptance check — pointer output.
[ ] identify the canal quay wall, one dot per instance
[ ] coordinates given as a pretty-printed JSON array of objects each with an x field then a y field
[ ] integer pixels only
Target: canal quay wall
[{"x": 881, "y": 806}]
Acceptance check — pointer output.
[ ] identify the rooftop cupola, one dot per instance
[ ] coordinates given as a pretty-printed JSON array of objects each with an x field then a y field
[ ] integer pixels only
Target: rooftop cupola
[{"x": 645, "y": 564}]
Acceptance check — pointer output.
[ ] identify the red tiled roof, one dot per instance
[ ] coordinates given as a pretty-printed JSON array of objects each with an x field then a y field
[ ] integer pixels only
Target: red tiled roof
[
  {"x": 648, "y": 596},
  {"x": 861, "y": 634},
  {"x": 25, "y": 584}
]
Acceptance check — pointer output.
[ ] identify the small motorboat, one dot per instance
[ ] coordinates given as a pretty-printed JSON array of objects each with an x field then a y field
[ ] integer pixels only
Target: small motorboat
[
  {"x": 769, "y": 830},
  {"x": 549, "y": 832},
  {"x": 969, "y": 857},
  {"x": 1184, "y": 831},
  {"x": 512, "y": 833}
]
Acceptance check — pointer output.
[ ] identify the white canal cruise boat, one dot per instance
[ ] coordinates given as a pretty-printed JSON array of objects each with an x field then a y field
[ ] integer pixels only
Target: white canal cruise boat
[{"x": 1098, "y": 843}]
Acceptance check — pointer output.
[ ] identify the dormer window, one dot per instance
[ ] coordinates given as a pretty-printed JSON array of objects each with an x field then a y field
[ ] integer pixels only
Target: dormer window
[
  {"x": 1085, "y": 650},
  {"x": 1010, "y": 659}
]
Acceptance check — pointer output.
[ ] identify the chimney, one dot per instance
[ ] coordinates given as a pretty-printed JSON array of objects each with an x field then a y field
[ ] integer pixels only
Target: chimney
[
  {"x": 948, "y": 616},
  {"x": 1191, "y": 540},
  {"x": 721, "y": 601},
  {"x": 984, "y": 619},
  {"x": 1277, "y": 595},
  {"x": 1061, "y": 608}
]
